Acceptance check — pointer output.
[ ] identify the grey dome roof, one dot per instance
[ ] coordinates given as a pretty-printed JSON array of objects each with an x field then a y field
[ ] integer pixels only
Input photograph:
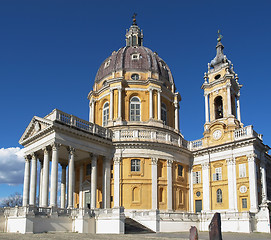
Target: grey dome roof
[{"x": 147, "y": 61}]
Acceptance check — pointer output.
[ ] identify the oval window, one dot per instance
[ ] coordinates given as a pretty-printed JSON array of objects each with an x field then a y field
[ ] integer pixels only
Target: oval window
[
  {"x": 135, "y": 76},
  {"x": 198, "y": 194},
  {"x": 217, "y": 76}
]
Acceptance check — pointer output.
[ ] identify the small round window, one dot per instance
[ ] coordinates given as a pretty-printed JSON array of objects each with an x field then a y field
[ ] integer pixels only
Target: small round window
[
  {"x": 135, "y": 76},
  {"x": 198, "y": 194},
  {"x": 217, "y": 76}
]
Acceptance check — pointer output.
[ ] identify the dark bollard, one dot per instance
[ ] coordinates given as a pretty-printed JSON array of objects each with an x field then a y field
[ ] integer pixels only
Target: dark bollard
[
  {"x": 193, "y": 233},
  {"x": 215, "y": 228}
]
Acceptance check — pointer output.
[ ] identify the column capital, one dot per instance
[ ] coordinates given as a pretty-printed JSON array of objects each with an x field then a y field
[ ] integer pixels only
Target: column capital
[
  {"x": 251, "y": 157},
  {"x": 34, "y": 155},
  {"x": 92, "y": 156},
  {"x": 231, "y": 161},
  {"x": 46, "y": 150},
  {"x": 27, "y": 158},
  {"x": 205, "y": 166},
  {"x": 154, "y": 161},
  {"x": 55, "y": 146},
  {"x": 117, "y": 160},
  {"x": 169, "y": 162},
  {"x": 228, "y": 85},
  {"x": 71, "y": 150}
]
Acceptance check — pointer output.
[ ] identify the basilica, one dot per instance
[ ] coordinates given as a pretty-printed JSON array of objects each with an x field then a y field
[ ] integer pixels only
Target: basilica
[{"x": 130, "y": 163}]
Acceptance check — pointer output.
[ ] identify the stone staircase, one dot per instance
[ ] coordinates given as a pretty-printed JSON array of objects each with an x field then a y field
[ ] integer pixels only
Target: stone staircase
[{"x": 134, "y": 227}]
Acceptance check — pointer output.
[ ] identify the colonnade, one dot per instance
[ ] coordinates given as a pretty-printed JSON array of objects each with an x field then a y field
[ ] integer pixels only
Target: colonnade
[{"x": 51, "y": 153}]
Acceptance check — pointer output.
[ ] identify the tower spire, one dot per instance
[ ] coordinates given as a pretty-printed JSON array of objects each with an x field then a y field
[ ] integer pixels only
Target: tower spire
[{"x": 134, "y": 36}]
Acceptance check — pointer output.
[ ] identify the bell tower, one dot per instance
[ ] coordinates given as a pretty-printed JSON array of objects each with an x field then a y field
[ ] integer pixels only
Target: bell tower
[{"x": 222, "y": 93}]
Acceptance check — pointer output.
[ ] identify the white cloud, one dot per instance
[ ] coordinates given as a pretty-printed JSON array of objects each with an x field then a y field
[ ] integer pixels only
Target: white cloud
[{"x": 11, "y": 165}]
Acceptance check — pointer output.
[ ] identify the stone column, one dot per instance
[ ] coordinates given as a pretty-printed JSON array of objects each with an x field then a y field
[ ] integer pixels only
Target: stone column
[
  {"x": 117, "y": 161},
  {"x": 81, "y": 173},
  {"x": 238, "y": 108},
  {"x": 71, "y": 177},
  {"x": 205, "y": 186},
  {"x": 252, "y": 183},
  {"x": 263, "y": 180},
  {"x": 229, "y": 99},
  {"x": 63, "y": 186},
  {"x": 33, "y": 180},
  {"x": 111, "y": 105},
  {"x": 40, "y": 187},
  {"x": 119, "y": 103},
  {"x": 176, "y": 116},
  {"x": 154, "y": 162},
  {"x": 206, "y": 107},
  {"x": 232, "y": 191},
  {"x": 169, "y": 185},
  {"x": 159, "y": 104},
  {"x": 191, "y": 191},
  {"x": 151, "y": 104},
  {"x": 45, "y": 178},
  {"x": 92, "y": 111},
  {"x": 106, "y": 182},
  {"x": 93, "y": 181},
  {"x": 54, "y": 175},
  {"x": 26, "y": 181}
]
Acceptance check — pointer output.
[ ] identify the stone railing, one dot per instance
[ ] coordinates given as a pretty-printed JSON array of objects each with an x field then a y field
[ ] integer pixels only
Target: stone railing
[
  {"x": 73, "y": 121},
  {"x": 150, "y": 135},
  {"x": 194, "y": 145},
  {"x": 239, "y": 134},
  {"x": 246, "y": 132}
]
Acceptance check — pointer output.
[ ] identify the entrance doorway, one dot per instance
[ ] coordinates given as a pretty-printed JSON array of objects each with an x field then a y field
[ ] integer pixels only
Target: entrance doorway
[
  {"x": 87, "y": 200},
  {"x": 198, "y": 205}
]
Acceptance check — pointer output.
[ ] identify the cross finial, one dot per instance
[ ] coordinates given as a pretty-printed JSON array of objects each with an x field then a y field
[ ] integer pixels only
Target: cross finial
[
  {"x": 219, "y": 36},
  {"x": 134, "y": 19}
]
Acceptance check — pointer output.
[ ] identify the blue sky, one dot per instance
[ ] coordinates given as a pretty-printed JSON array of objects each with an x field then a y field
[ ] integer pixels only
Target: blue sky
[{"x": 50, "y": 52}]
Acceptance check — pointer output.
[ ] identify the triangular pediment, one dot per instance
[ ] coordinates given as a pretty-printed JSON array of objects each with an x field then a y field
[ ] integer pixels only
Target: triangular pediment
[{"x": 35, "y": 127}]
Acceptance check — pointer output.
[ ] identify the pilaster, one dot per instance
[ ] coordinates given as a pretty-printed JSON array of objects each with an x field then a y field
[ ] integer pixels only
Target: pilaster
[
  {"x": 154, "y": 162},
  {"x": 117, "y": 161},
  {"x": 169, "y": 185},
  {"x": 206, "y": 186},
  {"x": 252, "y": 183}
]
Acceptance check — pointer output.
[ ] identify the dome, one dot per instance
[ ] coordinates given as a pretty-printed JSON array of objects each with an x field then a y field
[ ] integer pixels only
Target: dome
[{"x": 135, "y": 58}]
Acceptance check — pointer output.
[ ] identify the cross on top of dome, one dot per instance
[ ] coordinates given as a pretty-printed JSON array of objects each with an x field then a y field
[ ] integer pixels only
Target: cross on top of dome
[{"x": 134, "y": 36}]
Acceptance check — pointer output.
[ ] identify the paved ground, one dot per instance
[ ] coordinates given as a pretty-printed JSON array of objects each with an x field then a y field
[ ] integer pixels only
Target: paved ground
[{"x": 159, "y": 236}]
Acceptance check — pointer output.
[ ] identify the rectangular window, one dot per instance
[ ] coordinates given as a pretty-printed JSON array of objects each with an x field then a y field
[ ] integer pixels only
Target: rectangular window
[
  {"x": 196, "y": 177},
  {"x": 135, "y": 165},
  {"x": 242, "y": 170},
  {"x": 244, "y": 203},
  {"x": 180, "y": 170},
  {"x": 218, "y": 174}
]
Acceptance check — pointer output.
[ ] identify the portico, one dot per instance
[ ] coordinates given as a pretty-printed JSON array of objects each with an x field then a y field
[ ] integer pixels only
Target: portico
[{"x": 94, "y": 144}]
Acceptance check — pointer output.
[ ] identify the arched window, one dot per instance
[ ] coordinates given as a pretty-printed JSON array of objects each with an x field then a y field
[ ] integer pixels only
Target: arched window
[
  {"x": 218, "y": 107},
  {"x": 105, "y": 113},
  {"x": 135, "y": 109},
  {"x": 135, "y": 165},
  {"x": 219, "y": 196},
  {"x": 164, "y": 113}
]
